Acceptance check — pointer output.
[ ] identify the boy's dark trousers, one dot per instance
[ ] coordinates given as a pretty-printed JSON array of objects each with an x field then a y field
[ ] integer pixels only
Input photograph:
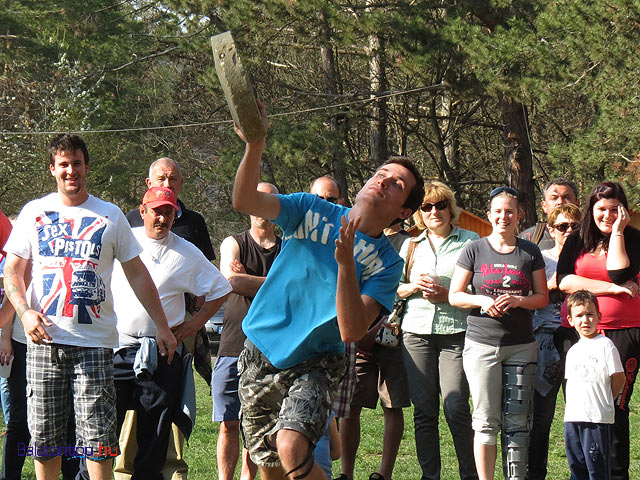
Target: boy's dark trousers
[{"x": 588, "y": 450}]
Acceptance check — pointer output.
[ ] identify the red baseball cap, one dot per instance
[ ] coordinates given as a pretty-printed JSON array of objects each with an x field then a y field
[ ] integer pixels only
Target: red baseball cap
[{"x": 158, "y": 196}]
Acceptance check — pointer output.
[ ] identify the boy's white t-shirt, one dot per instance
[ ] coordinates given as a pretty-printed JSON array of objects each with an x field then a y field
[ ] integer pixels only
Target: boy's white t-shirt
[{"x": 589, "y": 366}]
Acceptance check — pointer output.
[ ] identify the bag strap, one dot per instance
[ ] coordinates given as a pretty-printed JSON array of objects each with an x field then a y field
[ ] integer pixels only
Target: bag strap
[
  {"x": 538, "y": 232},
  {"x": 407, "y": 269},
  {"x": 409, "y": 263}
]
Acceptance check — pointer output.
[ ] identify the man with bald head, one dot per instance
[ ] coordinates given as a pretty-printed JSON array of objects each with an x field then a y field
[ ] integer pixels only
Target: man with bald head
[
  {"x": 245, "y": 259},
  {"x": 328, "y": 189},
  {"x": 154, "y": 389},
  {"x": 190, "y": 225}
]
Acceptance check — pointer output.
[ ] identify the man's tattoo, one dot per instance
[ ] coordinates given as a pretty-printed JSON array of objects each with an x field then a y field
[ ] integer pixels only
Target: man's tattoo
[
  {"x": 23, "y": 308},
  {"x": 13, "y": 292}
]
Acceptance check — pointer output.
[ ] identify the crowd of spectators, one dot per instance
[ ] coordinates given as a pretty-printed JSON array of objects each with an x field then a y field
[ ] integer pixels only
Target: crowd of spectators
[{"x": 103, "y": 315}]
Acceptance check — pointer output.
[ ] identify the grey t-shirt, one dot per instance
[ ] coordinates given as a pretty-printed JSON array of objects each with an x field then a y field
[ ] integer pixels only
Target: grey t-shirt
[{"x": 495, "y": 273}]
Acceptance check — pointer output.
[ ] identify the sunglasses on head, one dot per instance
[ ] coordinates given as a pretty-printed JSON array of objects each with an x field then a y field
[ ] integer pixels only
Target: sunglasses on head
[
  {"x": 564, "y": 226},
  {"x": 441, "y": 205},
  {"x": 499, "y": 190},
  {"x": 330, "y": 199}
]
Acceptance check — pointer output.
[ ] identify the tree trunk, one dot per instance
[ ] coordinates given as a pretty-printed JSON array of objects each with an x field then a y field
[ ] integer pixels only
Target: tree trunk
[
  {"x": 331, "y": 87},
  {"x": 447, "y": 140},
  {"x": 518, "y": 161},
  {"x": 378, "y": 83}
]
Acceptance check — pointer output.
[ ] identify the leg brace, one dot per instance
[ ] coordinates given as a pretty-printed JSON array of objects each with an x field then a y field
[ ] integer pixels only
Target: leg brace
[{"x": 518, "y": 386}]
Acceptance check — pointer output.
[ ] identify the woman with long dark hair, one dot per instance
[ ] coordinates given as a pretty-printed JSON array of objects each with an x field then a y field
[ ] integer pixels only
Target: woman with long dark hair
[{"x": 604, "y": 258}]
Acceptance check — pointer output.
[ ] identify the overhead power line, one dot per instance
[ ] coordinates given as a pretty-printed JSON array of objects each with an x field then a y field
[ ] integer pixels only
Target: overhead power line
[{"x": 370, "y": 99}]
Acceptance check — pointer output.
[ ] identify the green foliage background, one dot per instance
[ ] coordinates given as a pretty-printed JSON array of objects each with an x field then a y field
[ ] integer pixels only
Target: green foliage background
[{"x": 139, "y": 75}]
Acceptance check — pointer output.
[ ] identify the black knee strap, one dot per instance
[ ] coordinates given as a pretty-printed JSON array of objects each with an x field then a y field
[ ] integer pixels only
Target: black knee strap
[{"x": 306, "y": 464}]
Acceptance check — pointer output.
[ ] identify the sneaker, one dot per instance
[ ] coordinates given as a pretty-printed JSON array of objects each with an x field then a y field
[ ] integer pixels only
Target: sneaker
[
  {"x": 376, "y": 476},
  {"x": 343, "y": 476}
]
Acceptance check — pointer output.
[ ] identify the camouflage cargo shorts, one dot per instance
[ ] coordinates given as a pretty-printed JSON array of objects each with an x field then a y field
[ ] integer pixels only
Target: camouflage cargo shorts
[{"x": 296, "y": 398}]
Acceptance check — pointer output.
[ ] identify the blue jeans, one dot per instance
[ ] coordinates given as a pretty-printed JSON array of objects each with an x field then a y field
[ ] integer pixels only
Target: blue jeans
[
  {"x": 6, "y": 403},
  {"x": 434, "y": 364}
]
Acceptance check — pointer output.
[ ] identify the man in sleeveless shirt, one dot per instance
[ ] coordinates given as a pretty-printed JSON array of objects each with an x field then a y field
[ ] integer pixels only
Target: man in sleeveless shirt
[{"x": 245, "y": 260}]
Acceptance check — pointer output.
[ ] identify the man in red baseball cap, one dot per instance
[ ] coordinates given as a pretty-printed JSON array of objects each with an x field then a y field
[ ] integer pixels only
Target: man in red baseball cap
[
  {"x": 177, "y": 267},
  {"x": 160, "y": 204},
  {"x": 158, "y": 196}
]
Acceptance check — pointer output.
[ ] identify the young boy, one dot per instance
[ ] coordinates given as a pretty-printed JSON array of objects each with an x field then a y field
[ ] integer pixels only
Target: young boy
[{"x": 594, "y": 379}]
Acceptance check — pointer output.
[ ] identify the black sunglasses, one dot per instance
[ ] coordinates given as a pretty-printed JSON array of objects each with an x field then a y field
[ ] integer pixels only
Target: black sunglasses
[
  {"x": 499, "y": 190},
  {"x": 564, "y": 226},
  {"x": 329, "y": 199},
  {"x": 441, "y": 205}
]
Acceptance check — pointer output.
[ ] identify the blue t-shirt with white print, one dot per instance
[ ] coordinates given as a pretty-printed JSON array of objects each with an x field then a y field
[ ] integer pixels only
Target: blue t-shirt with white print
[{"x": 293, "y": 316}]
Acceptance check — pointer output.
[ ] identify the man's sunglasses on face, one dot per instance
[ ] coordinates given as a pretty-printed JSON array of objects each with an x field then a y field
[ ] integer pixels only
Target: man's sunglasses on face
[{"x": 329, "y": 199}]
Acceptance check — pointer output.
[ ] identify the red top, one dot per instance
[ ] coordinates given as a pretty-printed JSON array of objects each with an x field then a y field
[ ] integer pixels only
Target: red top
[
  {"x": 5, "y": 231},
  {"x": 618, "y": 311}
]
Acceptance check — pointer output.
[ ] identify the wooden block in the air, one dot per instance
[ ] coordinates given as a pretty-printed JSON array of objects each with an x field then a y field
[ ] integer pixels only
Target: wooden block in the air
[{"x": 237, "y": 87}]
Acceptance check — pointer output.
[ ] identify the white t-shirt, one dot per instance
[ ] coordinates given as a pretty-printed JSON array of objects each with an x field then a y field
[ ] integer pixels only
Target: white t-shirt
[
  {"x": 17, "y": 332},
  {"x": 176, "y": 267},
  {"x": 589, "y": 366},
  {"x": 73, "y": 249}
]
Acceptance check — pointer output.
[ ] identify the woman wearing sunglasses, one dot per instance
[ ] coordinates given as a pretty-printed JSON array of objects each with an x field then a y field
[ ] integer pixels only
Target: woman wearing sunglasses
[
  {"x": 507, "y": 280},
  {"x": 553, "y": 341},
  {"x": 604, "y": 258},
  {"x": 433, "y": 332}
]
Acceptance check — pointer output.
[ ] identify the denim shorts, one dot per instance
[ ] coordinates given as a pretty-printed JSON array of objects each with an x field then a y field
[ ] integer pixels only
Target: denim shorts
[
  {"x": 66, "y": 380},
  {"x": 297, "y": 398},
  {"x": 224, "y": 390}
]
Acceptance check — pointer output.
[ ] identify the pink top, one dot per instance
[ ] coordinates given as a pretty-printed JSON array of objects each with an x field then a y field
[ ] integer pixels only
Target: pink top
[{"x": 618, "y": 311}]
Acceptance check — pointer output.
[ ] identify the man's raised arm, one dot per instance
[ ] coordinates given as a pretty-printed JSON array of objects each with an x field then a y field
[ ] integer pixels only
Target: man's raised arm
[
  {"x": 355, "y": 312},
  {"x": 245, "y": 196}
]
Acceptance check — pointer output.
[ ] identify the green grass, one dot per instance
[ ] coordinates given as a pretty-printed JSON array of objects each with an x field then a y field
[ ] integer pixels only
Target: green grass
[{"x": 201, "y": 451}]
